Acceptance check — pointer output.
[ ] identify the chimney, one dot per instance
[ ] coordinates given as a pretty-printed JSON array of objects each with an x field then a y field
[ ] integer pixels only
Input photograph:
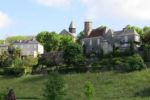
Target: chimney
[{"x": 87, "y": 28}]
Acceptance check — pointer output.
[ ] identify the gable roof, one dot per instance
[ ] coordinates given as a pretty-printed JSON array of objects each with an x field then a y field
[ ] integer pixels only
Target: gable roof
[
  {"x": 97, "y": 32},
  {"x": 65, "y": 32},
  {"x": 125, "y": 32}
]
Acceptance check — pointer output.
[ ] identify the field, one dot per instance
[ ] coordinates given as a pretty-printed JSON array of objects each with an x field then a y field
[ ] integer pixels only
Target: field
[{"x": 108, "y": 86}]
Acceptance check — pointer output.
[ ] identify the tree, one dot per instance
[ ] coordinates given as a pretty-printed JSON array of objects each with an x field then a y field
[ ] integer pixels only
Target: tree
[
  {"x": 4, "y": 59},
  {"x": 146, "y": 28},
  {"x": 73, "y": 54},
  {"x": 146, "y": 37},
  {"x": 54, "y": 87},
  {"x": 51, "y": 41},
  {"x": 65, "y": 40},
  {"x": 89, "y": 91},
  {"x": 81, "y": 36},
  {"x": 138, "y": 29}
]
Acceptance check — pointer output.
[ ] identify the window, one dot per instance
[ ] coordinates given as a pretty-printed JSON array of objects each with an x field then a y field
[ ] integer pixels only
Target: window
[
  {"x": 90, "y": 42},
  {"x": 28, "y": 46},
  {"x": 34, "y": 46},
  {"x": 126, "y": 38},
  {"x": 83, "y": 43},
  {"x": 98, "y": 41}
]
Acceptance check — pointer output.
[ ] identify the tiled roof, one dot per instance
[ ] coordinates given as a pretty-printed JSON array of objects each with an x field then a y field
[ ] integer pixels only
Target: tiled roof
[
  {"x": 65, "y": 32},
  {"x": 97, "y": 32},
  {"x": 27, "y": 41}
]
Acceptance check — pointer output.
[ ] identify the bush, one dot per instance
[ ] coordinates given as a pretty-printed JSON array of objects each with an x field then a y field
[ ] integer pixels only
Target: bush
[
  {"x": 89, "y": 91},
  {"x": 14, "y": 71},
  {"x": 124, "y": 64},
  {"x": 54, "y": 87},
  {"x": 3, "y": 95}
]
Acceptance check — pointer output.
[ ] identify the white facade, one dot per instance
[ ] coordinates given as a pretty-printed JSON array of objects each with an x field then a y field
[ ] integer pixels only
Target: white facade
[{"x": 29, "y": 48}]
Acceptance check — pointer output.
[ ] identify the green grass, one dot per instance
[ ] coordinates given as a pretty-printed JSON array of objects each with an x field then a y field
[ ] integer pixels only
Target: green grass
[{"x": 108, "y": 86}]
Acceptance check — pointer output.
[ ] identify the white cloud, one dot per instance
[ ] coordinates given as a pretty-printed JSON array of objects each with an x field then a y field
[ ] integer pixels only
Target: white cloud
[
  {"x": 5, "y": 20},
  {"x": 54, "y": 3},
  {"x": 118, "y": 9}
]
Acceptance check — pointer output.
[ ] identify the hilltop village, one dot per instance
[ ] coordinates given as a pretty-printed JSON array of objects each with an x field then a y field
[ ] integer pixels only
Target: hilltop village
[
  {"x": 96, "y": 57},
  {"x": 102, "y": 47}
]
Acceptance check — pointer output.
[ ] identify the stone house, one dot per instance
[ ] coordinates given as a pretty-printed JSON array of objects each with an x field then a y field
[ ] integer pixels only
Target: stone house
[
  {"x": 29, "y": 47},
  {"x": 104, "y": 38}
]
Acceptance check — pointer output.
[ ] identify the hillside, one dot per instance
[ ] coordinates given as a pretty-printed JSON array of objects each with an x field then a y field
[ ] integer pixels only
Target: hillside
[{"x": 108, "y": 85}]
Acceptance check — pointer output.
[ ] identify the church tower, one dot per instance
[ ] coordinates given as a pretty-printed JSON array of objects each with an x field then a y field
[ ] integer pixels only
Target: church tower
[{"x": 72, "y": 28}]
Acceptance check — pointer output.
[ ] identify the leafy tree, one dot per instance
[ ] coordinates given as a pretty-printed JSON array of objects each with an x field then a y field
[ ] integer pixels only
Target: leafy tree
[
  {"x": 146, "y": 37},
  {"x": 1, "y": 41},
  {"x": 54, "y": 87},
  {"x": 146, "y": 29},
  {"x": 89, "y": 91},
  {"x": 65, "y": 40},
  {"x": 138, "y": 29},
  {"x": 4, "y": 59},
  {"x": 73, "y": 55},
  {"x": 50, "y": 41},
  {"x": 81, "y": 36}
]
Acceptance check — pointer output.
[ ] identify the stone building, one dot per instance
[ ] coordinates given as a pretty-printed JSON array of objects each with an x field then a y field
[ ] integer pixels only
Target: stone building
[
  {"x": 104, "y": 38},
  {"x": 29, "y": 47},
  {"x": 71, "y": 31}
]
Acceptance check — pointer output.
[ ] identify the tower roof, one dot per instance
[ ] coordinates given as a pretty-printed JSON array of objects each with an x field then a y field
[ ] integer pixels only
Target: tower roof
[{"x": 72, "y": 25}]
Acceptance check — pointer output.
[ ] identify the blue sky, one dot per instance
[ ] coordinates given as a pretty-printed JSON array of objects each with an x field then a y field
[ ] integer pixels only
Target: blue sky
[{"x": 28, "y": 17}]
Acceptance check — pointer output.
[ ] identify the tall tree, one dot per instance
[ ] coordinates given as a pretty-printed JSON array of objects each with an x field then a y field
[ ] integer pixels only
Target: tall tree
[
  {"x": 54, "y": 87},
  {"x": 73, "y": 55},
  {"x": 50, "y": 40},
  {"x": 138, "y": 29}
]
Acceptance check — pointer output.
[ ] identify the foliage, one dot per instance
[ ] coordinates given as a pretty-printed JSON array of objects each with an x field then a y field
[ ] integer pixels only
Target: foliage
[
  {"x": 146, "y": 37},
  {"x": 80, "y": 36},
  {"x": 65, "y": 40},
  {"x": 50, "y": 41},
  {"x": 73, "y": 55},
  {"x": 1, "y": 41},
  {"x": 4, "y": 59},
  {"x": 3, "y": 95},
  {"x": 10, "y": 71},
  {"x": 54, "y": 88},
  {"x": 89, "y": 90},
  {"x": 138, "y": 29},
  {"x": 125, "y": 64}
]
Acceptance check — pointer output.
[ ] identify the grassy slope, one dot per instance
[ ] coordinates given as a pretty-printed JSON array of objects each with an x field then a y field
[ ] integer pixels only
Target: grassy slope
[{"x": 108, "y": 85}]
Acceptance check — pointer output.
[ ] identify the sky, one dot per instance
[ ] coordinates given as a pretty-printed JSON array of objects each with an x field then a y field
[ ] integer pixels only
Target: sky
[{"x": 29, "y": 17}]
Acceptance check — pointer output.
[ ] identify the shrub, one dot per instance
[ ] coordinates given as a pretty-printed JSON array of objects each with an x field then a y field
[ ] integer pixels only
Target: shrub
[
  {"x": 89, "y": 91},
  {"x": 54, "y": 87},
  {"x": 124, "y": 64},
  {"x": 14, "y": 71},
  {"x": 3, "y": 95},
  {"x": 135, "y": 62}
]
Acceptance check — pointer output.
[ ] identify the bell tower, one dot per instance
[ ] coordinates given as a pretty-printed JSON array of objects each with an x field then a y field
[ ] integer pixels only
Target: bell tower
[{"x": 72, "y": 28}]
